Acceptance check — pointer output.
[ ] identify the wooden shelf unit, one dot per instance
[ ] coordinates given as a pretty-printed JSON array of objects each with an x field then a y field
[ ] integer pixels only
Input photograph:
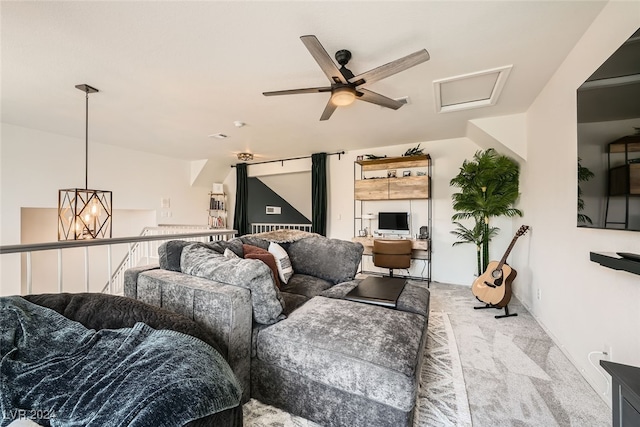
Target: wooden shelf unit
[
  {"x": 393, "y": 188},
  {"x": 630, "y": 144},
  {"x": 217, "y": 210},
  {"x": 623, "y": 179},
  {"x": 400, "y": 187}
]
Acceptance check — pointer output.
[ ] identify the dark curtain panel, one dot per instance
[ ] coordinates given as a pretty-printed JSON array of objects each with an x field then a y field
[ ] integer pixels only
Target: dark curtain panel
[
  {"x": 319, "y": 193},
  {"x": 240, "y": 217}
]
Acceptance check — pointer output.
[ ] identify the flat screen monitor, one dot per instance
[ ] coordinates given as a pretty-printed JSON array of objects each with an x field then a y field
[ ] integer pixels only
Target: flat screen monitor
[{"x": 393, "y": 222}]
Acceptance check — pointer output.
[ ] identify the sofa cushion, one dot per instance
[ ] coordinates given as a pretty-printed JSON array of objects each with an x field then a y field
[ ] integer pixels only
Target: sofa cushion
[
  {"x": 293, "y": 302},
  {"x": 221, "y": 246},
  {"x": 282, "y": 261},
  {"x": 250, "y": 239},
  {"x": 331, "y": 259},
  {"x": 198, "y": 260},
  {"x": 254, "y": 252},
  {"x": 102, "y": 311},
  {"x": 169, "y": 254},
  {"x": 308, "y": 286},
  {"x": 361, "y": 349}
]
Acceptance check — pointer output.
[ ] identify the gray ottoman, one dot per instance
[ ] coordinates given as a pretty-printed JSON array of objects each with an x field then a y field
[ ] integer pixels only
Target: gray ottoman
[{"x": 342, "y": 363}]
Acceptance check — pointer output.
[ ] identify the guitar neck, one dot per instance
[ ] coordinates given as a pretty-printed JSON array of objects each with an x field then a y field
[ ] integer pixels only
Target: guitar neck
[{"x": 507, "y": 252}]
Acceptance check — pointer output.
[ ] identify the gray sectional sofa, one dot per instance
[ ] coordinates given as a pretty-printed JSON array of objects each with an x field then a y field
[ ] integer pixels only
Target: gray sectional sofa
[{"x": 303, "y": 347}]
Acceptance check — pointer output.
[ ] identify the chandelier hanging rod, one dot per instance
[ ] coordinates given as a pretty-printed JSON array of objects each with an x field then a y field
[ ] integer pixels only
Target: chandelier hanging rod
[
  {"x": 87, "y": 90},
  {"x": 83, "y": 213}
]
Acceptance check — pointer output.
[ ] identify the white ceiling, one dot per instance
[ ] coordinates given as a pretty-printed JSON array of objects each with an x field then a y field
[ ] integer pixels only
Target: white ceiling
[{"x": 172, "y": 73}]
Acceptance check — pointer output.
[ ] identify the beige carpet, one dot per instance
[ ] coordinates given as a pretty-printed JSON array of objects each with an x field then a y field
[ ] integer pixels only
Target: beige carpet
[{"x": 514, "y": 373}]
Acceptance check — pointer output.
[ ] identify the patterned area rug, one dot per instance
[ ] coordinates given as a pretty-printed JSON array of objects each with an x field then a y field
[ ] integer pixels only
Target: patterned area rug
[{"x": 442, "y": 399}]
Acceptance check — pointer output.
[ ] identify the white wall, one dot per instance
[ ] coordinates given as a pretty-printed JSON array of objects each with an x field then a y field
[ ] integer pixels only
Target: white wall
[
  {"x": 294, "y": 188},
  {"x": 39, "y": 225},
  {"x": 583, "y": 305},
  {"x": 34, "y": 165},
  {"x": 450, "y": 264},
  {"x": 274, "y": 171}
]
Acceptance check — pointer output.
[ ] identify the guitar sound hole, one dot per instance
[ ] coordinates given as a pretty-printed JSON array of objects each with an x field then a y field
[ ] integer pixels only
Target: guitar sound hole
[{"x": 496, "y": 274}]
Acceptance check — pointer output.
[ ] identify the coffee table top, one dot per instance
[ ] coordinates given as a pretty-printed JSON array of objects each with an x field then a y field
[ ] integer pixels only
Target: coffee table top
[{"x": 378, "y": 290}]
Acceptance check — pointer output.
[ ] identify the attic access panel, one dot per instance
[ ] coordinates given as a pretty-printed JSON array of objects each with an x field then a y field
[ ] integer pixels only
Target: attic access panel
[{"x": 473, "y": 90}]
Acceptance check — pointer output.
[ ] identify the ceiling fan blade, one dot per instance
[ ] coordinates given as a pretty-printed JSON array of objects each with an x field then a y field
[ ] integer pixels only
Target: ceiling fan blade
[
  {"x": 391, "y": 68},
  {"x": 328, "y": 110},
  {"x": 296, "y": 91},
  {"x": 376, "y": 98},
  {"x": 323, "y": 59}
]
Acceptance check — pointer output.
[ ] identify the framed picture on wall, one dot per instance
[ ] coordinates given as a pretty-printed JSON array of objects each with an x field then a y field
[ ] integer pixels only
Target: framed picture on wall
[
  {"x": 406, "y": 173},
  {"x": 391, "y": 173}
]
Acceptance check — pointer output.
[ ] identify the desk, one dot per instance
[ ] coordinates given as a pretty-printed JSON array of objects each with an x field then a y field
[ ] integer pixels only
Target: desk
[{"x": 420, "y": 247}]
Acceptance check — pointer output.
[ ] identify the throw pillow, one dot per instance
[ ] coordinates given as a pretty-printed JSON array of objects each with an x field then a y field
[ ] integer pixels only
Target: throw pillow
[
  {"x": 254, "y": 252},
  {"x": 266, "y": 300},
  {"x": 230, "y": 254},
  {"x": 282, "y": 261}
]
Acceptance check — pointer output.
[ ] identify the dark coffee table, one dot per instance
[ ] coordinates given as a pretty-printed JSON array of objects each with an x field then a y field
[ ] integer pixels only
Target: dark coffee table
[{"x": 378, "y": 290}]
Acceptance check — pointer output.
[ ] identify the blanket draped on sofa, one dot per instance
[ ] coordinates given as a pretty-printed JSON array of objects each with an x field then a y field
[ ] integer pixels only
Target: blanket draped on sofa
[{"x": 57, "y": 372}]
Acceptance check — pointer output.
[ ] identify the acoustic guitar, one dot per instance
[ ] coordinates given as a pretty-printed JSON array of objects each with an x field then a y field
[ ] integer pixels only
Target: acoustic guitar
[{"x": 493, "y": 287}]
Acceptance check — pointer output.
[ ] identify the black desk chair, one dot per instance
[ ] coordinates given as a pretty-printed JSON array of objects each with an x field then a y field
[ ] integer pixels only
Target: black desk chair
[{"x": 392, "y": 254}]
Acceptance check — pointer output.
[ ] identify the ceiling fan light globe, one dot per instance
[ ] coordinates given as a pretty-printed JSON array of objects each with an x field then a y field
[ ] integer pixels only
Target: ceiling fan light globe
[{"x": 344, "y": 96}]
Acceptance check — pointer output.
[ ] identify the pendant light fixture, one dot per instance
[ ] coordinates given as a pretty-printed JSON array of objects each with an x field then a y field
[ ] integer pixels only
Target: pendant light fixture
[
  {"x": 84, "y": 213},
  {"x": 245, "y": 156}
]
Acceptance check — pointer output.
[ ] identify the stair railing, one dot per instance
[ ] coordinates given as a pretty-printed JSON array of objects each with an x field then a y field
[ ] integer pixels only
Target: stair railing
[
  {"x": 261, "y": 227},
  {"x": 139, "y": 251},
  {"x": 60, "y": 247}
]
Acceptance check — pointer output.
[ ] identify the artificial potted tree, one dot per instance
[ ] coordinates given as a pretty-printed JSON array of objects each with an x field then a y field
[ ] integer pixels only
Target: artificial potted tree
[
  {"x": 475, "y": 235},
  {"x": 489, "y": 187},
  {"x": 584, "y": 175}
]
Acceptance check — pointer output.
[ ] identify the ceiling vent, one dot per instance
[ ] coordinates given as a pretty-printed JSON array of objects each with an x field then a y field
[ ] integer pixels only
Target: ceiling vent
[{"x": 473, "y": 90}]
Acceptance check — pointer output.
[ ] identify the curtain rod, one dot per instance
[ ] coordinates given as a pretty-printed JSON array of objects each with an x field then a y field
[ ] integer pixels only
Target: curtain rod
[{"x": 339, "y": 153}]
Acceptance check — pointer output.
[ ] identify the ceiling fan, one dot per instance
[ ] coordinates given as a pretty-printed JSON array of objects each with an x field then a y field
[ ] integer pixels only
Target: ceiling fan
[{"x": 345, "y": 87}]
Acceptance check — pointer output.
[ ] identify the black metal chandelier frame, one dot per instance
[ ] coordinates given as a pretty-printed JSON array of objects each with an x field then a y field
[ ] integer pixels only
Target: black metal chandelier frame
[{"x": 84, "y": 213}]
